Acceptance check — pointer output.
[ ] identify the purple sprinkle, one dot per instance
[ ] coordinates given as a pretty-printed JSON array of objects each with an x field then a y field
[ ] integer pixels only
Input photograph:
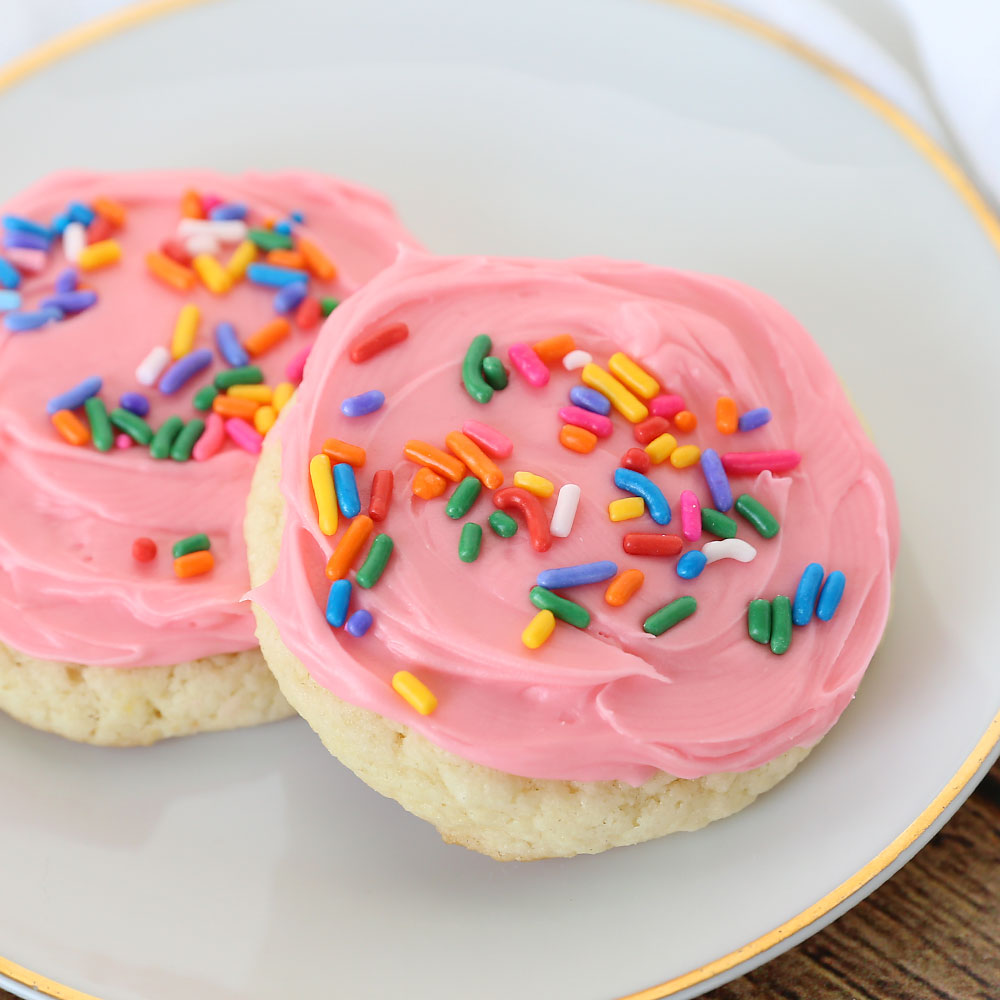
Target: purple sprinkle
[
  {"x": 71, "y": 302},
  {"x": 359, "y": 623},
  {"x": 16, "y": 239},
  {"x": 718, "y": 481},
  {"x": 288, "y": 298},
  {"x": 228, "y": 210},
  {"x": 228, "y": 343},
  {"x": 134, "y": 402},
  {"x": 183, "y": 369},
  {"x": 19, "y": 322},
  {"x": 67, "y": 280},
  {"x": 77, "y": 396},
  {"x": 366, "y": 402},
  {"x": 753, "y": 419}
]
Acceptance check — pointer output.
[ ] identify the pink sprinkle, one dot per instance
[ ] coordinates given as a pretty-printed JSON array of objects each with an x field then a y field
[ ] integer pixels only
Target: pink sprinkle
[
  {"x": 29, "y": 261},
  {"x": 534, "y": 371},
  {"x": 211, "y": 439},
  {"x": 242, "y": 434},
  {"x": 690, "y": 516},
  {"x": 208, "y": 202},
  {"x": 593, "y": 422},
  {"x": 495, "y": 444},
  {"x": 123, "y": 441},
  {"x": 295, "y": 367},
  {"x": 666, "y": 406},
  {"x": 749, "y": 463}
]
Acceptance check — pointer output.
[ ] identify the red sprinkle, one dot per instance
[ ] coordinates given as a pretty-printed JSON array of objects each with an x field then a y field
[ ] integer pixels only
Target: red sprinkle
[
  {"x": 637, "y": 544},
  {"x": 749, "y": 463},
  {"x": 637, "y": 460},
  {"x": 100, "y": 229},
  {"x": 309, "y": 313},
  {"x": 650, "y": 428},
  {"x": 144, "y": 550},
  {"x": 534, "y": 516},
  {"x": 378, "y": 505},
  {"x": 176, "y": 251},
  {"x": 369, "y": 344},
  {"x": 666, "y": 405}
]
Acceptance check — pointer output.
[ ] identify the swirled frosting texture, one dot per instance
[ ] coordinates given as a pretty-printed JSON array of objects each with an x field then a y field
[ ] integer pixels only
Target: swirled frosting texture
[
  {"x": 69, "y": 588},
  {"x": 607, "y": 702}
]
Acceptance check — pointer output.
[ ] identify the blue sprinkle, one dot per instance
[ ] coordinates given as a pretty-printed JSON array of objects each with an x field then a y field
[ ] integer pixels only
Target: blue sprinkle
[
  {"x": 229, "y": 210},
  {"x": 271, "y": 274},
  {"x": 10, "y": 276},
  {"x": 71, "y": 302},
  {"x": 287, "y": 299},
  {"x": 17, "y": 239},
  {"x": 18, "y": 322},
  {"x": 67, "y": 280},
  {"x": 367, "y": 402},
  {"x": 78, "y": 212},
  {"x": 134, "y": 402},
  {"x": 232, "y": 351},
  {"x": 717, "y": 480},
  {"x": 639, "y": 485},
  {"x": 9, "y": 300},
  {"x": 753, "y": 419},
  {"x": 804, "y": 603},
  {"x": 576, "y": 576},
  {"x": 338, "y": 602},
  {"x": 830, "y": 595},
  {"x": 284, "y": 227},
  {"x": 59, "y": 223},
  {"x": 18, "y": 224},
  {"x": 359, "y": 623},
  {"x": 590, "y": 399},
  {"x": 346, "y": 487},
  {"x": 183, "y": 369},
  {"x": 297, "y": 216},
  {"x": 691, "y": 564},
  {"x": 77, "y": 396}
]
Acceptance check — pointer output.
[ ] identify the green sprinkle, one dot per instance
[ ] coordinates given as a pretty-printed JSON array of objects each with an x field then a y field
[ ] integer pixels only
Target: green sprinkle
[
  {"x": 463, "y": 497},
  {"x": 494, "y": 372},
  {"x": 472, "y": 369},
  {"x": 470, "y": 541},
  {"x": 716, "y": 523},
  {"x": 268, "y": 239},
  {"x": 669, "y": 615},
  {"x": 759, "y": 621},
  {"x": 163, "y": 439},
  {"x": 765, "y": 523},
  {"x": 374, "y": 565},
  {"x": 193, "y": 543},
  {"x": 204, "y": 396},
  {"x": 781, "y": 625},
  {"x": 568, "y": 611},
  {"x": 135, "y": 427},
  {"x": 327, "y": 304},
  {"x": 100, "y": 427},
  {"x": 503, "y": 524},
  {"x": 185, "y": 441},
  {"x": 244, "y": 375}
]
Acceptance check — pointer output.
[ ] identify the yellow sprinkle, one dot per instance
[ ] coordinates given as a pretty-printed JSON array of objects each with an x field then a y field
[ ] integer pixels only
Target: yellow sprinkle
[
  {"x": 661, "y": 448},
  {"x": 283, "y": 392},
  {"x": 258, "y": 393},
  {"x": 99, "y": 255},
  {"x": 321, "y": 476},
  {"x": 243, "y": 256},
  {"x": 213, "y": 275},
  {"x": 626, "y": 508},
  {"x": 627, "y": 371},
  {"x": 684, "y": 456},
  {"x": 414, "y": 691},
  {"x": 533, "y": 484},
  {"x": 185, "y": 330},
  {"x": 622, "y": 400},
  {"x": 539, "y": 629},
  {"x": 264, "y": 418}
]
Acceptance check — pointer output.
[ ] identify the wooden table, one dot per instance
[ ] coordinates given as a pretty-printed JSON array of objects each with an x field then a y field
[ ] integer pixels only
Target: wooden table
[{"x": 932, "y": 932}]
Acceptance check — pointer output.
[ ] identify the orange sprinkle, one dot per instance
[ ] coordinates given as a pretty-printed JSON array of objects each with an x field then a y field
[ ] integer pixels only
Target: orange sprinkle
[
  {"x": 194, "y": 563},
  {"x": 577, "y": 439},
  {"x": 685, "y": 421},
  {"x": 286, "y": 258},
  {"x": 348, "y": 547},
  {"x": 434, "y": 458},
  {"x": 554, "y": 348},
  {"x": 727, "y": 417},
  {"x": 341, "y": 451},
  {"x": 427, "y": 484},
  {"x": 235, "y": 406},
  {"x": 169, "y": 271},
  {"x": 267, "y": 336},
  {"x": 317, "y": 261},
  {"x": 191, "y": 205},
  {"x": 71, "y": 428},
  {"x": 480, "y": 464},
  {"x": 623, "y": 587},
  {"x": 113, "y": 211}
]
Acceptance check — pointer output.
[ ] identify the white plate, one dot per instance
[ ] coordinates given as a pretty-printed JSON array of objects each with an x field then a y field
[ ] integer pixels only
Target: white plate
[{"x": 250, "y": 865}]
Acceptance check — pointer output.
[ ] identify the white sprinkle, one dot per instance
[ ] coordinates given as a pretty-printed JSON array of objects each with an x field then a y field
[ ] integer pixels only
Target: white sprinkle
[
  {"x": 224, "y": 230},
  {"x": 565, "y": 512},
  {"x": 200, "y": 243},
  {"x": 152, "y": 365},
  {"x": 73, "y": 241},
  {"x": 728, "y": 548},
  {"x": 577, "y": 359}
]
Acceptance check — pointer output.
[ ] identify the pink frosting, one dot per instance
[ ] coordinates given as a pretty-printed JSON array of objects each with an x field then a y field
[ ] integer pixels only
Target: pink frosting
[
  {"x": 69, "y": 587},
  {"x": 607, "y": 702}
]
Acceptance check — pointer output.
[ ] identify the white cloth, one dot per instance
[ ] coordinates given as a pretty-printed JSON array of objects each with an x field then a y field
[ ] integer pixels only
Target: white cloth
[{"x": 954, "y": 71}]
